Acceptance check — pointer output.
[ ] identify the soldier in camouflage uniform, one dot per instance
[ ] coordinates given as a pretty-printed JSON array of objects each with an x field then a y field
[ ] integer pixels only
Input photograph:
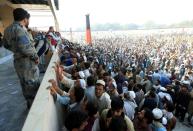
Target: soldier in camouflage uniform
[{"x": 16, "y": 39}]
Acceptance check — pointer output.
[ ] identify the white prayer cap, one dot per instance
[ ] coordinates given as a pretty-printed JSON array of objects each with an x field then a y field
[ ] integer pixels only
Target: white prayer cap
[
  {"x": 164, "y": 121},
  {"x": 100, "y": 82},
  {"x": 130, "y": 95},
  {"x": 157, "y": 113}
]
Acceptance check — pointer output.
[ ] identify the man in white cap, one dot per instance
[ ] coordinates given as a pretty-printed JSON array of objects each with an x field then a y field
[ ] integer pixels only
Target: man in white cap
[
  {"x": 102, "y": 99},
  {"x": 157, "y": 123},
  {"x": 129, "y": 104}
]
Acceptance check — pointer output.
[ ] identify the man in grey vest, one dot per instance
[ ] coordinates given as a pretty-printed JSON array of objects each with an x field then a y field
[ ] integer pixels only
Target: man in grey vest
[{"x": 16, "y": 39}]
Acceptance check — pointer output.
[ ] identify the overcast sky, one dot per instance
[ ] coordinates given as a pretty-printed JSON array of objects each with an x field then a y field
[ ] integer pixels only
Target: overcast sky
[{"x": 72, "y": 12}]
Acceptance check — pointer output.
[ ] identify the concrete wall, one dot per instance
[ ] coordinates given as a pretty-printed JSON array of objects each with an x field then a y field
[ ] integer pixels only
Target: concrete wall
[
  {"x": 6, "y": 16},
  {"x": 45, "y": 114}
]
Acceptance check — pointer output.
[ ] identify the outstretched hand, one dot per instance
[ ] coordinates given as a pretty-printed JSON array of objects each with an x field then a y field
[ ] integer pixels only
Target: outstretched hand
[
  {"x": 53, "y": 82},
  {"x": 52, "y": 91},
  {"x": 59, "y": 71}
]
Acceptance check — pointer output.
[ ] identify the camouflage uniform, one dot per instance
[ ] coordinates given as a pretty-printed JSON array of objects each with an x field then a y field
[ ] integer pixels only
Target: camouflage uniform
[{"x": 16, "y": 39}]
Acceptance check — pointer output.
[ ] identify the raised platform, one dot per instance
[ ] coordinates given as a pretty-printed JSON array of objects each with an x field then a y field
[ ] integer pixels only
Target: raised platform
[{"x": 13, "y": 109}]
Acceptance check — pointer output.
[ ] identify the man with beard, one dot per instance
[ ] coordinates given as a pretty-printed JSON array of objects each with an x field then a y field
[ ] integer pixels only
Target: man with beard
[
  {"x": 16, "y": 39},
  {"x": 143, "y": 120}
]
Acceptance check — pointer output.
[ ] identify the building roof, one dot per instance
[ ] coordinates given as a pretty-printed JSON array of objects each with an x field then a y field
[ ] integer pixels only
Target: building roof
[{"x": 45, "y": 2}]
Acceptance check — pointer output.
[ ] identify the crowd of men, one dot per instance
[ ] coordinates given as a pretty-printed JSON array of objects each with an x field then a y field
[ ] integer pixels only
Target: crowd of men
[
  {"x": 45, "y": 41},
  {"x": 125, "y": 83}
]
